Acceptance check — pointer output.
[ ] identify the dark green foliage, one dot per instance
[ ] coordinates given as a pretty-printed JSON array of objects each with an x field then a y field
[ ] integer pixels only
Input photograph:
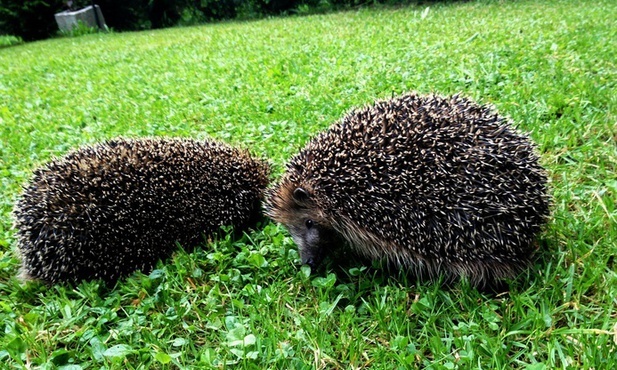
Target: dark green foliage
[
  {"x": 34, "y": 20},
  {"x": 207, "y": 10},
  {"x": 6, "y": 41},
  {"x": 126, "y": 15},
  {"x": 163, "y": 13},
  {"x": 31, "y": 20}
]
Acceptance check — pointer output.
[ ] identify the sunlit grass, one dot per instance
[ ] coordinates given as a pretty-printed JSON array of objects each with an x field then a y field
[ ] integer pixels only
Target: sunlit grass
[{"x": 269, "y": 86}]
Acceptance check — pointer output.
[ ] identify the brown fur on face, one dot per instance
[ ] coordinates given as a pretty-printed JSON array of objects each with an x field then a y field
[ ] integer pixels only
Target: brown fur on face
[{"x": 295, "y": 206}]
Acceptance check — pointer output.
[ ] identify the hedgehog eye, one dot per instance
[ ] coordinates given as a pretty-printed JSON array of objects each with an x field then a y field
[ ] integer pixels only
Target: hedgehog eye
[{"x": 309, "y": 224}]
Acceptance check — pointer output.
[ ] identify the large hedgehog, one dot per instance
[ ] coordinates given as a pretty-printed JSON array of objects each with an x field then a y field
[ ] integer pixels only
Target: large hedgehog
[
  {"x": 105, "y": 211},
  {"x": 434, "y": 185}
]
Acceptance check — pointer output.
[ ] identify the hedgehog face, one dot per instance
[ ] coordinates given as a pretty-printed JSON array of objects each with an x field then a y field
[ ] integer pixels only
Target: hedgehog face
[
  {"x": 310, "y": 231},
  {"x": 295, "y": 207},
  {"x": 307, "y": 238}
]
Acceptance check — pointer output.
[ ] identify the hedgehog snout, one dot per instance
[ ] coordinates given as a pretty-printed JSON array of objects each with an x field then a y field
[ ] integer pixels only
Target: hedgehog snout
[
  {"x": 310, "y": 245},
  {"x": 311, "y": 256},
  {"x": 310, "y": 260}
]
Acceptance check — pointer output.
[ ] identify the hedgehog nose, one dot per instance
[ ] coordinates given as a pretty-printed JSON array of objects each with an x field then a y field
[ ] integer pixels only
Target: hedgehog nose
[{"x": 312, "y": 262}]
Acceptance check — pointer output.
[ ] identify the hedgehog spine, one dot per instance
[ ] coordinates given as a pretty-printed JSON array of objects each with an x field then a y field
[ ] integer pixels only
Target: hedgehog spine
[
  {"x": 437, "y": 185},
  {"x": 106, "y": 210}
]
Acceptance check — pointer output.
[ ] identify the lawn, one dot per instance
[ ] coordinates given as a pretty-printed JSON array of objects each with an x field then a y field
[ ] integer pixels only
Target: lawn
[{"x": 269, "y": 86}]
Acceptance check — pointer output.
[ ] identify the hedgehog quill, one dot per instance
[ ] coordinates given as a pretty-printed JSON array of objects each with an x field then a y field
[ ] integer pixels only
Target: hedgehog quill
[
  {"x": 105, "y": 211},
  {"x": 434, "y": 185}
]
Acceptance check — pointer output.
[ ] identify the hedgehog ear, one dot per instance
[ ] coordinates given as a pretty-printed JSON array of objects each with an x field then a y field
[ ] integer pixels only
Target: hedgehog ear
[{"x": 301, "y": 195}]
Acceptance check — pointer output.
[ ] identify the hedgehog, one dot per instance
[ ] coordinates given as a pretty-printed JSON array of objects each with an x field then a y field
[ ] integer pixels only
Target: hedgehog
[
  {"x": 437, "y": 186},
  {"x": 107, "y": 210}
]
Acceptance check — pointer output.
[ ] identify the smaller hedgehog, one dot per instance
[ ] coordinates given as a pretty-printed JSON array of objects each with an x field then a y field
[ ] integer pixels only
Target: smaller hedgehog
[
  {"x": 434, "y": 185},
  {"x": 105, "y": 211}
]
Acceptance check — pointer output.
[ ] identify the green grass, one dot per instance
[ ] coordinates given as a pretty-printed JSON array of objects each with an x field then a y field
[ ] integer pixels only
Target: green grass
[
  {"x": 6, "y": 40},
  {"x": 270, "y": 85}
]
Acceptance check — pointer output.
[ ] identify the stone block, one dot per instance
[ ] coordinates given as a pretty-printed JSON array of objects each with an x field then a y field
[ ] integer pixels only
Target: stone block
[{"x": 67, "y": 20}]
